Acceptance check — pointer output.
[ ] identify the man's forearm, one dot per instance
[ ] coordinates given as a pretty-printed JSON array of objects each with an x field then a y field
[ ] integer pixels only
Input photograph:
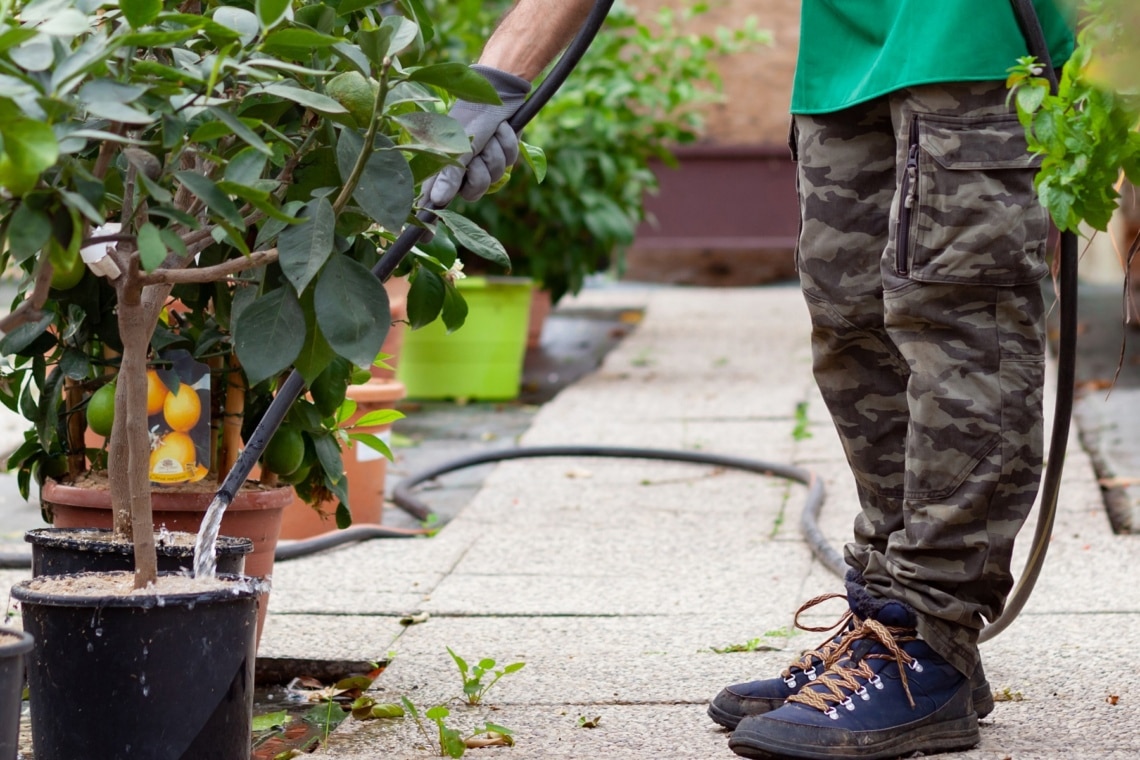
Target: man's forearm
[{"x": 532, "y": 33}]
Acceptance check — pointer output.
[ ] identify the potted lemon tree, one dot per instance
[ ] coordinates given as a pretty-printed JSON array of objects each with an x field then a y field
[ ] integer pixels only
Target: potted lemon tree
[{"x": 194, "y": 195}]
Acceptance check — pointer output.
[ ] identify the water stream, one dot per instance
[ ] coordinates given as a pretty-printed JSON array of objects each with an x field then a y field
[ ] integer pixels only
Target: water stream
[{"x": 205, "y": 564}]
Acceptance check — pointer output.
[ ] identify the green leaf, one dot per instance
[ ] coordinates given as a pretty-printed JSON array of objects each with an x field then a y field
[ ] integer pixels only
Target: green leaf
[
  {"x": 22, "y": 337},
  {"x": 152, "y": 250},
  {"x": 513, "y": 668},
  {"x": 374, "y": 43},
  {"x": 535, "y": 158},
  {"x": 28, "y": 232},
  {"x": 452, "y": 742},
  {"x": 269, "y": 333},
  {"x": 238, "y": 20},
  {"x": 436, "y": 131},
  {"x": 245, "y": 167},
  {"x": 454, "y": 310},
  {"x": 439, "y": 712},
  {"x": 31, "y": 148},
  {"x": 205, "y": 190},
  {"x": 306, "y": 98},
  {"x": 297, "y": 42},
  {"x": 303, "y": 248},
  {"x": 387, "y": 190},
  {"x": 404, "y": 33},
  {"x": 140, "y": 12},
  {"x": 374, "y": 443},
  {"x": 270, "y": 721},
  {"x": 352, "y": 310},
  {"x": 270, "y": 12},
  {"x": 329, "y": 456},
  {"x": 379, "y": 418},
  {"x": 458, "y": 79},
  {"x": 474, "y": 238},
  {"x": 316, "y": 353},
  {"x": 416, "y": 9},
  {"x": 425, "y": 298},
  {"x": 387, "y": 710},
  {"x": 241, "y": 129}
]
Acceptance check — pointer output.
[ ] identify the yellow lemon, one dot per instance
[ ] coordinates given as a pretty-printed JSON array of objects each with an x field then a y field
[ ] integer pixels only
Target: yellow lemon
[
  {"x": 175, "y": 452},
  {"x": 156, "y": 393},
  {"x": 182, "y": 410}
]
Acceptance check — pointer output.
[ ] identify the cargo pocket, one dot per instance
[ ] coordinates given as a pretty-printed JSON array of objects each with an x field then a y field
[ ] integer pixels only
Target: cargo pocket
[{"x": 973, "y": 214}]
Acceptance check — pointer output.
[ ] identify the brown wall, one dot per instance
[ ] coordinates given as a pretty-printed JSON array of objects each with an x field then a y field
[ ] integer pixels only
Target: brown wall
[
  {"x": 728, "y": 215},
  {"x": 758, "y": 84}
]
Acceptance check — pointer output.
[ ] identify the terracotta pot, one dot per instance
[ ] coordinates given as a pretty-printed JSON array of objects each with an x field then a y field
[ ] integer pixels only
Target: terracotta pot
[
  {"x": 366, "y": 470},
  {"x": 540, "y": 308},
  {"x": 397, "y": 288},
  {"x": 254, "y": 514}
]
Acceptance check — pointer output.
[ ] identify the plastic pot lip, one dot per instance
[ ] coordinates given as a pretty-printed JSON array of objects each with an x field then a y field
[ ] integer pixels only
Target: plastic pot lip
[
  {"x": 16, "y": 648},
  {"x": 95, "y": 541},
  {"x": 244, "y": 588}
]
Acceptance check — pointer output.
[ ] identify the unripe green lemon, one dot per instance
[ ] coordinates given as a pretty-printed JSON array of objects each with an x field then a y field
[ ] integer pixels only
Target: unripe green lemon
[
  {"x": 68, "y": 276},
  {"x": 356, "y": 93},
  {"x": 101, "y": 410},
  {"x": 285, "y": 452}
]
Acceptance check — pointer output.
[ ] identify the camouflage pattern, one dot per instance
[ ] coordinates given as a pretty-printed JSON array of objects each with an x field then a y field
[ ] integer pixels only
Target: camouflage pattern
[{"x": 920, "y": 256}]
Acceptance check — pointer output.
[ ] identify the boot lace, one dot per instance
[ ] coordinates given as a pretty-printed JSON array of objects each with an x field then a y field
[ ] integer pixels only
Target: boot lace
[
  {"x": 848, "y": 679},
  {"x": 827, "y": 652}
]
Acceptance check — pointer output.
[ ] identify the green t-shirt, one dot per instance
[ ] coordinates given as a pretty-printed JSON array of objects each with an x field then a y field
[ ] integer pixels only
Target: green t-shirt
[{"x": 854, "y": 50}]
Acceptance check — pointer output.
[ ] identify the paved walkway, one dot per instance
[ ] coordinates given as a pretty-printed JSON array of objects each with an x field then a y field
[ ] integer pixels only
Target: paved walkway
[{"x": 613, "y": 580}]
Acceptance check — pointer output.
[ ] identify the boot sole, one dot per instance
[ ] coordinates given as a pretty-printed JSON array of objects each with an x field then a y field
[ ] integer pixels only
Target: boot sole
[
  {"x": 947, "y": 736},
  {"x": 982, "y": 697},
  {"x": 724, "y": 718}
]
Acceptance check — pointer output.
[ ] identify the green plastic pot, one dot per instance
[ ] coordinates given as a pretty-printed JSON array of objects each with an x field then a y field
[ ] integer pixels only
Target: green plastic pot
[{"x": 482, "y": 360}]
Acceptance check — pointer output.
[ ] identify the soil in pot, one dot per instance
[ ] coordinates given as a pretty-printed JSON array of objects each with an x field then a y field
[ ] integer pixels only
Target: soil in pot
[
  {"x": 60, "y": 551},
  {"x": 163, "y": 673}
]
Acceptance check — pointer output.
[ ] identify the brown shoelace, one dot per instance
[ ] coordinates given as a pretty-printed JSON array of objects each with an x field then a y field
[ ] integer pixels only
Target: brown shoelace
[
  {"x": 827, "y": 652},
  {"x": 847, "y": 679}
]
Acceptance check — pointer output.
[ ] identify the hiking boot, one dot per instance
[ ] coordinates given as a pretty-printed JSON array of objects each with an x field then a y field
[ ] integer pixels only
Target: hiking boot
[
  {"x": 888, "y": 694},
  {"x": 757, "y": 697},
  {"x": 738, "y": 701}
]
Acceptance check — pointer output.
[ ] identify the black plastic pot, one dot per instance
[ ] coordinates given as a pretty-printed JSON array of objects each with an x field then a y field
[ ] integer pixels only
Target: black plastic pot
[
  {"x": 141, "y": 677},
  {"x": 12, "y": 653},
  {"x": 61, "y": 551}
]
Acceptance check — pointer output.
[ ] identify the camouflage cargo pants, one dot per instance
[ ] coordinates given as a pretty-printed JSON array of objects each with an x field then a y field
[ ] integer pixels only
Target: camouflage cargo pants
[{"x": 920, "y": 256}]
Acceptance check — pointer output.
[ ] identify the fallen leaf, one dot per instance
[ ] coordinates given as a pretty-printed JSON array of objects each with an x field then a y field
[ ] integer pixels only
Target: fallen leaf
[{"x": 1112, "y": 699}]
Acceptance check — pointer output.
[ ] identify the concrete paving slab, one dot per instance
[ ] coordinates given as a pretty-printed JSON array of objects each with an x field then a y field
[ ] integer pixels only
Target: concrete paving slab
[
  {"x": 354, "y": 637},
  {"x": 651, "y": 659},
  {"x": 624, "y": 731}
]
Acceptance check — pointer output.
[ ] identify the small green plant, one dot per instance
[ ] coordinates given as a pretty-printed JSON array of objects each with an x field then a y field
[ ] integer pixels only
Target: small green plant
[
  {"x": 801, "y": 432},
  {"x": 473, "y": 687},
  {"x": 450, "y": 742},
  {"x": 752, "y": 645}
]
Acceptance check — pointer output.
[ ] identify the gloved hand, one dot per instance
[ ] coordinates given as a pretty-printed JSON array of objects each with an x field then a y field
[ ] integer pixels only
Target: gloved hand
[{"x": 494, "y": 145}]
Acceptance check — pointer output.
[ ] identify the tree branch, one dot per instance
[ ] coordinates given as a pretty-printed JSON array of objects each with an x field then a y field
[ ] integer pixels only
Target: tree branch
[
  {"x": 211, "y": 273},
  {"x": 31, "y": 308}
]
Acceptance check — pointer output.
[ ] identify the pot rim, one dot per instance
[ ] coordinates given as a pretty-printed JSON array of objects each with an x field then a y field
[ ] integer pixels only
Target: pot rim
[
  {"x": 47, "y": 537},
  {"x": 245, "y": 588},
  {"x": 16, "y": 648}
]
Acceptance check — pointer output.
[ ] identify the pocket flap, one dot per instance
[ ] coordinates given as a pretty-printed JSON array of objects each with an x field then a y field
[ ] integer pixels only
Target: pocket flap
[{"x": 991, "y": 143}]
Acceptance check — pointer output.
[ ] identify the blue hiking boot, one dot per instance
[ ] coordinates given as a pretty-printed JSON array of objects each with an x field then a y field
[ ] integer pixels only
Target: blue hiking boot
[
  {"x": 888, "y": 694},
  {"x": 738, "y": 701}
]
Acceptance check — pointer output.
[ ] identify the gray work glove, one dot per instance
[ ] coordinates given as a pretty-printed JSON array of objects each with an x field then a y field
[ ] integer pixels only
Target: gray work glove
[{"x": 494, "y": 145}]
